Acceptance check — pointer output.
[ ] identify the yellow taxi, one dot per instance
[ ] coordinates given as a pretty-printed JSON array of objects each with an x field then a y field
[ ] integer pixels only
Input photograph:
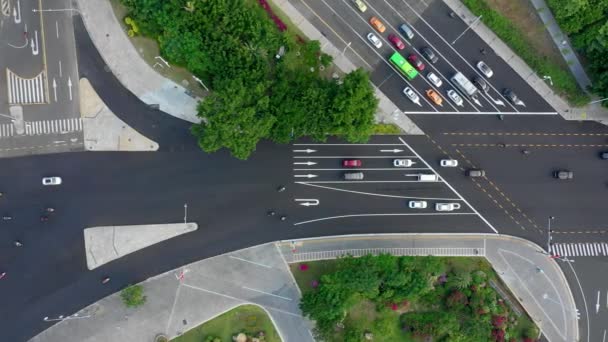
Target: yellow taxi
[
  {"x": 360, "y": 5},
  {"x": 431, "y": 94},
  {"x": 377, "y": 24}
]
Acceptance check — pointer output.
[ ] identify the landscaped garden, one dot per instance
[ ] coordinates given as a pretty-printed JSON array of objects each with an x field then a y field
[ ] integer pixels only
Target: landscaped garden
[
  {"x": 388, "y": 298},
  {"x": 249, "y": 321}
]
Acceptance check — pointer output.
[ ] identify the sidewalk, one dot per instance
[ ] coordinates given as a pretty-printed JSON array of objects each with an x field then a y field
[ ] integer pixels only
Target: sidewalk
[
  {"x": 545, "y": 294},
  {"x": 121, "y": 57},
  {"x": 180, "y": 300},
  {"x": 590, "y": 112}
]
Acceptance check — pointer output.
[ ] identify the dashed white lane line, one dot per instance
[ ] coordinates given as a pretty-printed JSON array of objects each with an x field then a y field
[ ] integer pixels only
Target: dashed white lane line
[
  {"x": 267, "y": 293},
  {"x": 376, "y": 215},
  {"x": 379, "y": 195},
  {"x": 449, "y": 186},
  {"x": 249, "y": 261}
]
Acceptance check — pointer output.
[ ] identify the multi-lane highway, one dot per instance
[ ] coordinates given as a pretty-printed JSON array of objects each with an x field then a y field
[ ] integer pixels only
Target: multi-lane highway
[
  {"x": 347, "y": 28},
  {"x": 231, "y": 199}
]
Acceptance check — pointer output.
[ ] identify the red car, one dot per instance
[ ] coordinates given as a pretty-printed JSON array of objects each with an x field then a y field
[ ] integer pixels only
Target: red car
[
  {"x": 416, "y": 62},
  {"x": 396, "y": 41},
  {"x": 351, "y": 163}
]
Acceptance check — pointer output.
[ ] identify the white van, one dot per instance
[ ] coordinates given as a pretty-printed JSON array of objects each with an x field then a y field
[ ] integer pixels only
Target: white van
[{"x": 422, "y": 177}]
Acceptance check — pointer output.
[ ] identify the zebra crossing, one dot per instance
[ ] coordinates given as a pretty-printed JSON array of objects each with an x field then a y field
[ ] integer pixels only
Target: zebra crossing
[
  {"x": 26, "y": 91},
  {"x": 5, "y": 8},
  {"x": 580, "y": 249},
  {"x": 59, "y": 126}
]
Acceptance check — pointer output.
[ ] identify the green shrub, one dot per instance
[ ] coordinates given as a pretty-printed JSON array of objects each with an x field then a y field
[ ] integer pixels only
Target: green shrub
[{"x": 133, "y": 296}]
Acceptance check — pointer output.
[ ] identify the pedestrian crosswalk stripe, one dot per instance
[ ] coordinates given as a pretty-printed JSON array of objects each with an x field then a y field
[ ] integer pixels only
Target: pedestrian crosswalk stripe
[
  {"x": 5, "y": 6},
  {"x": 26, "y": 90},
  {"x": 59, "y": 126},
  {"x": 580, "y": 249}
]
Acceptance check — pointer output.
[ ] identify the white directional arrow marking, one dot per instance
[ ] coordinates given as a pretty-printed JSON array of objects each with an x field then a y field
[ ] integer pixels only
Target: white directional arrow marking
[
  {"x": 17, "y": 13},
  {"x": 306, "y": 150},
  {"x": 597, "y": 304},
  {"x": 394, "y": 151},
  {"x": 305, "y": 176},
  {"x": 309, "y": 163},
  {"x": 70, "y": 87},
  {"x": 307, "y": 202},
  {"x": 55, "y": 89},
  {"x": 34, "y": 44}
]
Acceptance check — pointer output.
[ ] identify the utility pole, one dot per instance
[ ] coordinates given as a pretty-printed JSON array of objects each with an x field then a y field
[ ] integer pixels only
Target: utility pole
[{"x": 551, "y": 218}]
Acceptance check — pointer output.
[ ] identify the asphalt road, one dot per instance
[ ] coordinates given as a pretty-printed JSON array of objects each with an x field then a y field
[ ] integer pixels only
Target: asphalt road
[{"x": 347, "y": 28}]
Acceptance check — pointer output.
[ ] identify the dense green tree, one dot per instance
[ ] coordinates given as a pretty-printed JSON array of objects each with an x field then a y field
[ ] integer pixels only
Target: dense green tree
[{"x": 133, "y": 296}]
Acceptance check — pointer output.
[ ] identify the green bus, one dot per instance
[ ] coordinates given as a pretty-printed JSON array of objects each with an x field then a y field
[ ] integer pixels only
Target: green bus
[{"x": 403, "y": 66}]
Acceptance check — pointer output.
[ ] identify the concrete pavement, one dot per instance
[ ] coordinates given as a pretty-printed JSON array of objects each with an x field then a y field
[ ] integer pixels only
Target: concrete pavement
[
  {"x": 103, "y": 131},
  {"x": 535, "y": 279},
  {"x": 590, "y": 112},
  {"x": 181, "y": 299},
  {"x": 126, "y": 64}
]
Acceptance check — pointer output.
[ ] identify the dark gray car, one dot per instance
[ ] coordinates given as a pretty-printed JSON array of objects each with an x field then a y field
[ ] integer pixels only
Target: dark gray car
[
  {"x": 481, "y": 84},
  {"x": 429, "y": 54},
  {"x": 563, "y": 174}
]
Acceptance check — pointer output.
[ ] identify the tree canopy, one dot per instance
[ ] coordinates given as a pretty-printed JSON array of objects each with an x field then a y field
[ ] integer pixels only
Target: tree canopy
[{"x": 233, "y": 46}]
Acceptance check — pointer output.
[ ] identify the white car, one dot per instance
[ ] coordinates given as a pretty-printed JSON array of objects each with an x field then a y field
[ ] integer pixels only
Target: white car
[
  {"x": 448, "y": 162},
  {"x": 374, "y": 40},
  {"x": 411, "y": 95},
  {"x": 453, "y": 95},
  {"x": 434, "y": 79},
  {"x": 403, "y": 162},
  {"x": 360, "y": 5},
  {"x": 447, "y": 206},
  {"x": 51, "y": 180},
  {"x": 417, "y": 204},
  {"x": 485, "y": 69}
]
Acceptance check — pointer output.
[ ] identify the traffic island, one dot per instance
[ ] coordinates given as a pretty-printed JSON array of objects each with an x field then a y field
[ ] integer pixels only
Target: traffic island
[
  {"x": 105, "y": 244},
  {"x": 104, "y": 131}
]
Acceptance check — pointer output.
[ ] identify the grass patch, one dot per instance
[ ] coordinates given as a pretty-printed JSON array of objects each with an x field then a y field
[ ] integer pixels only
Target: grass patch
[
  {"x": 147, "y": 48},
  {"x": 381, "y": 128},
  {"x": 563, "y": 82},
  {"x": 248, "y": 319},
  {"x": 313, "y": 272}
]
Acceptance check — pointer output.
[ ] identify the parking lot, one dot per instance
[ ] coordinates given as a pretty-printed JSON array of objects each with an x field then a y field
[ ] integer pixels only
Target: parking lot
[{"x": 457, "y": 49}]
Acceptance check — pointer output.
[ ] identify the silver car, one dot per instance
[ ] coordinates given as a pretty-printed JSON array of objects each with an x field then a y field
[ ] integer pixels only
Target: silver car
[
  {"x": 434, "y": 79},
  {"x": 453, "y": 95},
  {"x": 51, "y": 181},
  {"x": 374, "y": 40},
  {"x": 411, "y": 95},
  {"x": 485, "y": 69}
]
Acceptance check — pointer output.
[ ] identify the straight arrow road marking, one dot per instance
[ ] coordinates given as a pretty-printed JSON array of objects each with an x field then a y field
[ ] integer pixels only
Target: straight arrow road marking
[
  {"x": 305, "y": 176},
  {"x": 70, "y": 87},
  {"x": 393, "y": 150},
  {"x": 55, "y": 89},
  {"x": 306, "y": 150},
  {"x": 309, "y": 163},
  {"x": 597, "y": 304},
  {"x": 307, "y": 201}
]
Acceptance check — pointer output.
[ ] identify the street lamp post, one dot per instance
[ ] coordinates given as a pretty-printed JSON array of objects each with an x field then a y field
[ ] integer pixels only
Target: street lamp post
[
  {"x": 551, "y": 218},
  {"x": 185, "y": 212}
]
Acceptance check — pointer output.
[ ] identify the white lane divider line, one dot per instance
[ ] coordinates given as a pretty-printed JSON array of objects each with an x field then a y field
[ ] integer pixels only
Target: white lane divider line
[
  {"x": 267, "y": 293},
  {"x": 249, "y": 261}
]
